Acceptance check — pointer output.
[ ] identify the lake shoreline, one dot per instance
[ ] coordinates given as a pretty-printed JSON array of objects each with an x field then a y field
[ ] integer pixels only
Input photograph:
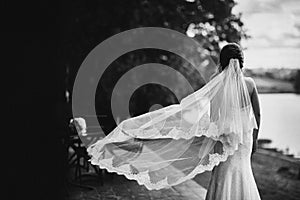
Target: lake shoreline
[
  {"x": 276, "y": 178},
  {"x": 280, "y": 115}
]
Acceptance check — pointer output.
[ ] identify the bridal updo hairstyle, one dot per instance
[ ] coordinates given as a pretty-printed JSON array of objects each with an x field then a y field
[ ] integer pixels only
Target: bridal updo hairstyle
[{"x": 231, "y": 50}]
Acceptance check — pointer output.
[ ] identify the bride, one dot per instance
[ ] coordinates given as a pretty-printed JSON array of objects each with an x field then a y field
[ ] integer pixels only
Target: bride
[
  {"x": 213, "y": 129},
  {"x": 233, "y": 179}
]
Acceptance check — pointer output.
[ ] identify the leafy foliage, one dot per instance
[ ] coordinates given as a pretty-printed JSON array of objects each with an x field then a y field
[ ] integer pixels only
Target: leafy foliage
[{"x": 87, "y": 23}]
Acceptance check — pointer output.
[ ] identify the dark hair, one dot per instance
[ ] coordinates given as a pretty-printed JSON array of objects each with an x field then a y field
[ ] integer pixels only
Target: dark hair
[{"x": 231, "y": 50}]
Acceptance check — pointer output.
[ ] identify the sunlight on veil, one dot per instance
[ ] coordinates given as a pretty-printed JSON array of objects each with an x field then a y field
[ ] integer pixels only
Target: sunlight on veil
[{"x": 168, "y": 146}]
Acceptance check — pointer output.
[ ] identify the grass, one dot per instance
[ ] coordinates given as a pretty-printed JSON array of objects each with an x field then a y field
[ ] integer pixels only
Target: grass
[{"x": 273, "y": 182}]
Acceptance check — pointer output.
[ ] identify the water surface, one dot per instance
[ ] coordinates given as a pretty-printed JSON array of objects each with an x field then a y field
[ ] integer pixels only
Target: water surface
[{"x": 281, "y": 121}]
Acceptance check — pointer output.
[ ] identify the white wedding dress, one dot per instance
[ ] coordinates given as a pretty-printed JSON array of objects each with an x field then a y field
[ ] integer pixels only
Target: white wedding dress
[
  {"x": 233, "y": 179},
  {"x": 210, "y": 129}
]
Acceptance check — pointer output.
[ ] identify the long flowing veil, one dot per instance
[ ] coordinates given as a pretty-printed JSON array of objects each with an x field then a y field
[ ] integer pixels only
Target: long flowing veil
[{"x": 168, "y": 146}]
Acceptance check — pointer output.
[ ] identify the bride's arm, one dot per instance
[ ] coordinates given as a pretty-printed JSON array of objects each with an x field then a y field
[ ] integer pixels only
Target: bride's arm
[{"x": 256, "y": 110}]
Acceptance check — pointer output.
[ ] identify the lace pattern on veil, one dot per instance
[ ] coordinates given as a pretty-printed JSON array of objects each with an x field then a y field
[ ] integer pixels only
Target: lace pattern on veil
[{"x": 168, "y": 146}]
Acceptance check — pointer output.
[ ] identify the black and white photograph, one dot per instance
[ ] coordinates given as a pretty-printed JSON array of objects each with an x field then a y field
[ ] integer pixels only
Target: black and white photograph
[{"x": 151, "y": 100}]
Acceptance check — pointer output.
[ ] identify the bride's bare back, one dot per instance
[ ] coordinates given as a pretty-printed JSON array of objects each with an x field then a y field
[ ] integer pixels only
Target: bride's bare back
[{"x": 254, "y": 98}]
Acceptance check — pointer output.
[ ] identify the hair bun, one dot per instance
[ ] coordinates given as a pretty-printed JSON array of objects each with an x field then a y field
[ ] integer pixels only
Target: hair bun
[{"x": 229, "y": 51}]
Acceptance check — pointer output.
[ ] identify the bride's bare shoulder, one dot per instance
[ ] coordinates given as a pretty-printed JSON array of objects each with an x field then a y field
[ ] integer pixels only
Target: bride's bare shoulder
[
  {"x": 249, "y": 79},
  {"x": 250, "y": 84}
]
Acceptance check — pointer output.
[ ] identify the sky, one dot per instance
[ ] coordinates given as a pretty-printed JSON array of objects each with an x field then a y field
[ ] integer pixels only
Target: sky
[{"x": 274, "y": 26}]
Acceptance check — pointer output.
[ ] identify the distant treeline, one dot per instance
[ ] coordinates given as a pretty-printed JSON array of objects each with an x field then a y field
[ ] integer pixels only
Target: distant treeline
[{"x": 281, "y": 74}]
